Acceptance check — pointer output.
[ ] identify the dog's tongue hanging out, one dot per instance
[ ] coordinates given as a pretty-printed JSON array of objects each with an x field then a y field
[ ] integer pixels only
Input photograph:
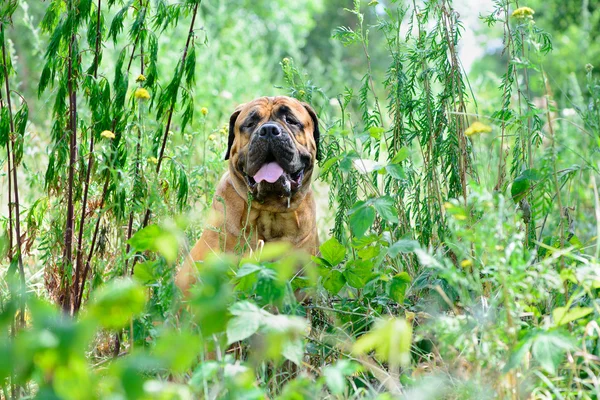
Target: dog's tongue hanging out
[{"x": 269, "y": 172}]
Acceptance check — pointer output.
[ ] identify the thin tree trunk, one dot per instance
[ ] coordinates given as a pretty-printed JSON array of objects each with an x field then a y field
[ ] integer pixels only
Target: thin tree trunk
[
  {"x": 68, "y": 254},
  {"x": 15, "y": 181}
]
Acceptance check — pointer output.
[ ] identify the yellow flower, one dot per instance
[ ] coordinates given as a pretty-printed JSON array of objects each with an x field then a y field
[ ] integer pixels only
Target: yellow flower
[
  {"x": 466, "y": 263},
  {"x": 107, "y": 134},
  {"x": 285, "y": 61},
  {"x": 224, "y": 130},
  {"x": 523, "y": 12},
  {"x": 140, "y": 78},
  {"x": 141, "y": 94},
  {"x": 448, "y": 205},
  {"x": 460, "y": 217},
  {"x": 211, "y": 137},
  {"x": 478, "y": 127},
  {"x": 153, "y": 160},
  {"x": 204, "y": 110},
  {"x": 301, "y": 93}
]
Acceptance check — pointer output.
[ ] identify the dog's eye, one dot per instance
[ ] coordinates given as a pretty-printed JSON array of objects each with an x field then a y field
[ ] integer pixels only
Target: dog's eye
[
  {"x": 292, "y": 121},
  {"x": 248, "y": 125}
]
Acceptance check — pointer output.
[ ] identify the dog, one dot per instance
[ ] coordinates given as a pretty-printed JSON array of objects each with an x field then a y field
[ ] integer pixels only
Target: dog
[{"x": 265, "y": 195}]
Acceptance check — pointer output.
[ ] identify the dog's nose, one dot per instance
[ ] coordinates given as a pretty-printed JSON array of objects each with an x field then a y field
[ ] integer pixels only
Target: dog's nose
[{"x": 269, "y": 130}]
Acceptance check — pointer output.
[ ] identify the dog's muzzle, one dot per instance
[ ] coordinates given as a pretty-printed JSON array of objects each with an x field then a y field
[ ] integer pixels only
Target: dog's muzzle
[{"x": 274, "y": 166}]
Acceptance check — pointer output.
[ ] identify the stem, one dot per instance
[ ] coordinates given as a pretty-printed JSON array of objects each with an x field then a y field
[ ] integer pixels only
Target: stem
[
  {"x": 17, "y": 219},
  {"x": 505, "y": 100},
  {"x": 135, "y": 177},
  {"x": 92, "y": 247},
  {"x": 98, "y": 38},
  {"x": 89, "y": 168},
  {"x": 68, "y": 254},
  {"x": 138, "y": 155},
  {"x": 528, "y": 94},
  {"x": 557, "y": 186}
]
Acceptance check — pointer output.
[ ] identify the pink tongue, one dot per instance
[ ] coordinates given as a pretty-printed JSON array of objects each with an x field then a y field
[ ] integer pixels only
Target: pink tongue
[{"x": 269, "y": 172}]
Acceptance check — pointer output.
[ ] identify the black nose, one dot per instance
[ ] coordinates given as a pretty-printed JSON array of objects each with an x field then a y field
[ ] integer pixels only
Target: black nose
[{"x": 269, "y": 130}]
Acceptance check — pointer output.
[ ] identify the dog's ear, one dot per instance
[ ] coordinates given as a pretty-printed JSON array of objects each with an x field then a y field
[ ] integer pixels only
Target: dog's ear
[
  {"x": 232, "y": 120},
  {"x": 316, "y": 132}
]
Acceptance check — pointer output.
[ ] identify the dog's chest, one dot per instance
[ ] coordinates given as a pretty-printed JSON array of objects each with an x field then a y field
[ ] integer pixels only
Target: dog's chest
[{"x": 271, "y": 226}]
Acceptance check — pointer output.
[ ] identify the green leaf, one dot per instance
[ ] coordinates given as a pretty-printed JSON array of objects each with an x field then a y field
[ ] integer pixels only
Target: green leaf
[
  {"x": 284, "y": 336},
  {"x": 401, "y": 155},
  {"x": 334, "y": 281},
  {"x": 335, "y": 375},
  {"x": 247, "y": 269},
  {"x": 386, "y": 208},
  {"x": 345, "y": 35},
  {"x": 391, "y": 340},
  {"x": 333, "y": 251},
  {"x": 519, "y": 353},
  {"x": 562, "y": 315},
  {"x": 520, "y": 188},
  {"x": 178, "y": 349},
  {"x": 114, "y": 304},
  {"x": 396, "y": 171},
  {"x": 376, "y": 132},
  {"x": 210, "y": 301},
  {"x": 245, "y": 323},
  {"x": 293, "y": 350},
  {"x": 548, "y": 349},
  {"x": 240, "y": 328},
  {"x": 531, "y": 174},
  {"x": 369, "y": 253},
  {"x": 361, "y": 220},
  {"x": 4, "y": 126},
  {"x": 522, "y": 184},
  {"x": 158, "y": 239},
  {"x": 398, "y": 286},
  {"x": 358, "y": 272},
  {"x": 144, "y": 272},
  {"x": 3, "y": 245},
  {"x": 403, "y": 246},
  {"x": 328, "y": 164}
]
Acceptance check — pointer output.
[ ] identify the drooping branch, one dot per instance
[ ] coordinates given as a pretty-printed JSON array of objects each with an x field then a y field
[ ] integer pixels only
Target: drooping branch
[
  {"x": 86, "y": 269},
  {"x": 79, "y": 256},
  {"x": 172, "y": 108}
]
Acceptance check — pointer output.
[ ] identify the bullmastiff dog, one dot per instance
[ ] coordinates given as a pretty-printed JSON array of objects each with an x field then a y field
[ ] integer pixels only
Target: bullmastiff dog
[{"x": 265, "y": 196}]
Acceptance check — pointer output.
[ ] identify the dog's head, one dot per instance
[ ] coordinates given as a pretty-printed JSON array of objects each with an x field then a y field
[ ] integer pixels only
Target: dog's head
[{"x": 272, "y": 149}]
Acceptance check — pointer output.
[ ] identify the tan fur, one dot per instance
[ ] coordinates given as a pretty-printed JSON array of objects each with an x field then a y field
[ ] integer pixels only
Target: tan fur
[{"x": 234, "y": 228}]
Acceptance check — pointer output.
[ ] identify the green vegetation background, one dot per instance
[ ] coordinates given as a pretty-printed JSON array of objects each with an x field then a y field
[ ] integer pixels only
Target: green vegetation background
[{"x": 459, "y": 260}]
